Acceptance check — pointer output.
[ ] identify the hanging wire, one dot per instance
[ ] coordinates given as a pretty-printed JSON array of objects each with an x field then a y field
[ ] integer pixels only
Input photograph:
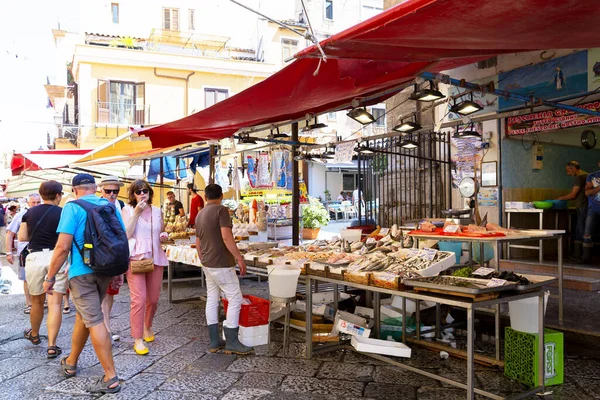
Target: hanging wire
[{"x": 314, "y": 40}]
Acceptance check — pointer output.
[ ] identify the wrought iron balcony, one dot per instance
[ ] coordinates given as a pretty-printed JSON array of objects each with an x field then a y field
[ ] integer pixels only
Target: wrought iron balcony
[{"x": 121, "y": 113}]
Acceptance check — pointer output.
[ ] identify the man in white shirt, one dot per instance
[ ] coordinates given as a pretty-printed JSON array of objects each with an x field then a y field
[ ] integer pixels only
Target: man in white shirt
[{"x": 33, "y": 199}]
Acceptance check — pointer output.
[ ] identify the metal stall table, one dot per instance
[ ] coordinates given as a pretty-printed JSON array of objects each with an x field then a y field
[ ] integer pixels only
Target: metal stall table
[
  {"x": 522, "y": 236},
  {"x": 468, "y": 304}
]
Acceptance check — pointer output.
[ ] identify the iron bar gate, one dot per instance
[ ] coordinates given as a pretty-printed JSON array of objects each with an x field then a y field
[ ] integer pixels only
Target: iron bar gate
[{"x": 401, "y": 184}]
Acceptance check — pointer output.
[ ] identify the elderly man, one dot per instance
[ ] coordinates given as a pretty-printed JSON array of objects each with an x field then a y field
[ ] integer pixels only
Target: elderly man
[
  {"x": 581, "y": 201},
  {"x": 110, "y": 187},
  {"x": 33, "y": 199},
  {"x": 88, "y": 289}
]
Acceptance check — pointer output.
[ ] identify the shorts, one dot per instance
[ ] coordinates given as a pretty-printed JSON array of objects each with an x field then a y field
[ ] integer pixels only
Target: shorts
[
  {"x": 115, "y": 284},
  {"x": 36, "y": 269},
  {"x": 87, "y": 293}
]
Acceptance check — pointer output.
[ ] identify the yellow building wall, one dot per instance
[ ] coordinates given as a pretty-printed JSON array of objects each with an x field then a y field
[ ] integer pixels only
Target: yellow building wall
[{"x": 164, "y": 97}]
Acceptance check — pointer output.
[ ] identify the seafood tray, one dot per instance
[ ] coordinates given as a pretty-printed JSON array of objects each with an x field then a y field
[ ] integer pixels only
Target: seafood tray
[
  {"x": 325, "y": 262},
  {"x": 318, "y": 270},
  {"x": 458, "y": 285},
  {"x": 362, "y": 278}
]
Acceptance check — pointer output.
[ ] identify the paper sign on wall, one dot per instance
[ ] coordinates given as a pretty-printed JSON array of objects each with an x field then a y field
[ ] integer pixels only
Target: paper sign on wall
[{"x": 344, "y": 152}]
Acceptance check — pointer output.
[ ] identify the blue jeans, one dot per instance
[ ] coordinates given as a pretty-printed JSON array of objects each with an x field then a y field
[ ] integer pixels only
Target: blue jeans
[
  {"x": 593, "y": 218},
  {"x": 580, "y": 223}
]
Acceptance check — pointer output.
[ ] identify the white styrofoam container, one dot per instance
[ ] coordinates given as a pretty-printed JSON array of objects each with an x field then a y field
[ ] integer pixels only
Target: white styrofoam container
[
  {"x": 278, "y": 310},
  {"x": 369, "y": 312},
  {"x": 250, "y": 331},
  {"x": 411, "y": 306},
  {"x": 433, "y": 269},
  {"x": 390, "y": 311},
  {"x": 254, "y": 340},
  {"x": 377, "y": 346},
  {"x": 351, "y": 324}
]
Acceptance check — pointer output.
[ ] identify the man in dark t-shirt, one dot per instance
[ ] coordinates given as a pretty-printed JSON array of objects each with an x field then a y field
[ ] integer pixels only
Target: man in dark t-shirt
[
  {"x": 173, "y": 209},
  {"x": 581, "y": 202},
  {"x": 218, "y": 253}
]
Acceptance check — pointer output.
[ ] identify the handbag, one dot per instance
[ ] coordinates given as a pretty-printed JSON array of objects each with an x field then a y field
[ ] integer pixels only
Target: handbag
[
  {"x": 25, "y": 252},
  {"x": 145, "y": 264}
]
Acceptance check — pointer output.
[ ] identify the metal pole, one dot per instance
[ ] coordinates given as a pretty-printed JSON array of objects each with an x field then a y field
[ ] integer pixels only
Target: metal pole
[
  {"x": 211, "y": 164},
  {"x": 162, "y": 180},
  {"x": 359, "y": 190},
  {"x": 295, "y": 188},
  {"x": 470, "y": 353},
  {"x": 560, "y": 280}
]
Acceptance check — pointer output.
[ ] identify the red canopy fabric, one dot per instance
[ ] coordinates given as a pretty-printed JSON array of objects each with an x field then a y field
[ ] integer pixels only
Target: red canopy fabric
[
  {"x": 43, "y": 159},
  {"x": 379, "y": 55}
]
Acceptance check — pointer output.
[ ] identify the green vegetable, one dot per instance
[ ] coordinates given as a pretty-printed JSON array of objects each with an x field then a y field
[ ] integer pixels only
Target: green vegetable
[{"x": 463, "y": 272}]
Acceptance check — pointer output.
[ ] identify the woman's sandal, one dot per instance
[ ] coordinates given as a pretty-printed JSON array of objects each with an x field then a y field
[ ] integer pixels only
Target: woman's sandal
[
  {"x": 27, "y": 310},
  {"x": 33, "y": 339},
  {"x": 57, "y": 351},
  {"x": 66, "y": 368},
  {"x": 66, "y": 309}
]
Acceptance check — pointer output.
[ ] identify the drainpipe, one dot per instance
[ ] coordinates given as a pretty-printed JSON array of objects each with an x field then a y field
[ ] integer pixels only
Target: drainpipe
[{"x": 187, "y": 81}]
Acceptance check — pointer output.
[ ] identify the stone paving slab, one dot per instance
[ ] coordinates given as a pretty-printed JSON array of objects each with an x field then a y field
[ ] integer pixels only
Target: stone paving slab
[
  {"x": 139, "y": 387},
  {"x": 436, "y": 393},
  {"x": 9, "y": 368},
  {"x": 165, "y": 395},
  {"x": 303, "y": 384},
  {"x": 186, "y": 330},
  {"x": 260, "y": 381},
  {"x": 395, "y": 375},
  {"x": 206, "y": 382},
  {"x": 275, "y": 366},
  {"x": 298, "y": 350},
  {"x": 62, "y": 396},
  {"x": 31, "y": 383},
  {"x": 174, "y": 362},
  {"x": 211, "y": 362},
  {"x": 73, "y": 386},
  {"x": 388, "y": 391},
  {"x": 246, "y": 394},
  {"x": 349, "y": 372}
]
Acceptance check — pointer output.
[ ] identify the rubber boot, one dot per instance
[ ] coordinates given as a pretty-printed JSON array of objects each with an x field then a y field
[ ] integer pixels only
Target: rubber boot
[
  {"x": 587, "y": 253},
  {"x": 233, "y": 345},
  {"x": 577, "y": 250},
  {"x": 216, "y": 343}
]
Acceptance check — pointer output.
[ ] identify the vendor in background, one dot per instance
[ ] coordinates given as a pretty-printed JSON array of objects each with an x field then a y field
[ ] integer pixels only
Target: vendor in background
[
  {"x": 173, "y": 208},
  {"x": 196, "y": 204},
  {"x": 581, "y": 202},
  {"x": 341, "y": 197},
  {"x": 592, "y": 190}
]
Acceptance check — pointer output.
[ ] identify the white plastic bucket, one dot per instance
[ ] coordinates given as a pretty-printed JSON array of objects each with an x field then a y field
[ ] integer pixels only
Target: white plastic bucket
[
  {"x": 351, "y": 235},
  {"x": 283, "y": 280},
  {"x": 524, "y": 313}
]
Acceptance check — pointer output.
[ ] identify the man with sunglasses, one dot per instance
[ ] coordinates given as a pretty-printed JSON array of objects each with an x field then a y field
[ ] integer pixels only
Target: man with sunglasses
[{"x": 109, "y": 189}]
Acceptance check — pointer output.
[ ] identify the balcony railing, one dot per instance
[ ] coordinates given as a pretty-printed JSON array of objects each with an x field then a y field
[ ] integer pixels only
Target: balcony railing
[{"x": 121, "y": 113}]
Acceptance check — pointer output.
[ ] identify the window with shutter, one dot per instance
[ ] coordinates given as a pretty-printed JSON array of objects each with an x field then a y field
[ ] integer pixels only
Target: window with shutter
[
  {"x": 171, "y": 19},
  {"x": 289, "y": 47},
  {"x": 213, "y": 96},
  {"x": 329, "y": 9}
]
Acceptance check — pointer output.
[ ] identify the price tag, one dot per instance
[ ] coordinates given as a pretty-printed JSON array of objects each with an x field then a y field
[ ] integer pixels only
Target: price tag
[
  {"x": 428, "y": 254},
  {"x": 483, "y": 271},
  {"x": 384, "y": 231},
  {"x": 412, "y": 252},
  {"x": 496, "y": 282},
  {"x": 452, "y": 229}
]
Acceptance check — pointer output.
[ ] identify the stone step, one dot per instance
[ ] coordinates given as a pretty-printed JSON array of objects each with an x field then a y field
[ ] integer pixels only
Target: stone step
[
  {"x": 569, "y": 281},
  {"x": 550, "y": 267}
]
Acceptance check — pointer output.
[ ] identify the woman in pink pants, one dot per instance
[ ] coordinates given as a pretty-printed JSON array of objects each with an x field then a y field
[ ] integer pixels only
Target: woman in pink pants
[{"x": 145, "y": 226}]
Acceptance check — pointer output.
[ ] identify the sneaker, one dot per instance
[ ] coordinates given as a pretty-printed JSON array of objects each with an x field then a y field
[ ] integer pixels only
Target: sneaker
[{"x": 115, "y": 338}]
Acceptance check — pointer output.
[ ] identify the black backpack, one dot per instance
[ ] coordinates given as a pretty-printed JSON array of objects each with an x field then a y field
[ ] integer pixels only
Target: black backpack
[{"x": 110, "y": 255}]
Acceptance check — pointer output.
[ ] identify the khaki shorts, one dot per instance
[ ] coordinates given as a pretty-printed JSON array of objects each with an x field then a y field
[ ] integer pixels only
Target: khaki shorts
[
  {"x": 87, "y": 293},
  {"x": 36, "y": 269}
]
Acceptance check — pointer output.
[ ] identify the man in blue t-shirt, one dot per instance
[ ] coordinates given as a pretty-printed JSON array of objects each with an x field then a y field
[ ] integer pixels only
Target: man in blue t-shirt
[
  {"x": 87, "y": 288},
  {"x": 592, "y": 190}
]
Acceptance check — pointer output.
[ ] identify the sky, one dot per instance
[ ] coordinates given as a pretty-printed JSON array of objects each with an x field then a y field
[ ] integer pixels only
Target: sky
[{"x": 26, "y": 59}]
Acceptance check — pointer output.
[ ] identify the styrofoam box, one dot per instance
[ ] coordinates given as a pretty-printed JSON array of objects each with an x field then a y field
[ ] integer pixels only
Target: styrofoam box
[
  {"x": 278, "y": 310},
  {"x": 255, "y": 341},
  {"x": 377, "y": 346},
  {"x": 519, "y": 205},
  {"x": 351, "y": 324},
  {"x": 411, "y": 306},
  {"x": 366, "y": 311},
  {"x": 327, "y": 297},
  {"x": 253, "y": 335},
  {"x": 433, "y": 269},
  {"x": 317, "y": 309}
]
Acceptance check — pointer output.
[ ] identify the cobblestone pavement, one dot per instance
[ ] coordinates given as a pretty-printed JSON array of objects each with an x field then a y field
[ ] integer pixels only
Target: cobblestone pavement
[{"x": 179, "y": 367}]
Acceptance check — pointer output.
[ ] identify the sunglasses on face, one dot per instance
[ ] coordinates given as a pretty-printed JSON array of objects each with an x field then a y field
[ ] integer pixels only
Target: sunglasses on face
[
  {"x": 109, "y": 191},
  {"x": 144, "y": 191}
]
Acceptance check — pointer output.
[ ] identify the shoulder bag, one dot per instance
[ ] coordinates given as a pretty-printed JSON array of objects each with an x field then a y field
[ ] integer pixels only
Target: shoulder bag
[
  {"x": 145, "y": 264},
  {"x": 25, "y": 252}
]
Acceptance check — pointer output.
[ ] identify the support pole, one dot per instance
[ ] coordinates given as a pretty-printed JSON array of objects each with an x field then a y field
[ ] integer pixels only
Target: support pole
[
  {"x": 211, "y": 164},
  {"x": 162, "y": 180},
  {"x": 359, "y": 191},
  {"x": 295, "y": 188}
]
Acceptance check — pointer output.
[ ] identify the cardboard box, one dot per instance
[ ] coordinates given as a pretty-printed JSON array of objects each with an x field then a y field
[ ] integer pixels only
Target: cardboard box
[
  {"x": 351, "y": 324},
  {"x": 377, "y": 346}
]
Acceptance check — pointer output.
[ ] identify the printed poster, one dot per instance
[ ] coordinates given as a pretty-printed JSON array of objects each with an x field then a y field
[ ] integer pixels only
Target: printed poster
[{"x": 487, "y": 197}]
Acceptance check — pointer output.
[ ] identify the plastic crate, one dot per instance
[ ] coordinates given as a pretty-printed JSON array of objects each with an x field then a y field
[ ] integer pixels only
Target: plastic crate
[
  {"x": 254, "y": 314},
  {"x": 521, "y": 357}
]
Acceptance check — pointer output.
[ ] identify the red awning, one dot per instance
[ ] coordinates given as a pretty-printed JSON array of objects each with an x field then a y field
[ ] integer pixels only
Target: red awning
[
  {"x": 375, "y": 58},
  {"x": 44, "y": 159}
]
